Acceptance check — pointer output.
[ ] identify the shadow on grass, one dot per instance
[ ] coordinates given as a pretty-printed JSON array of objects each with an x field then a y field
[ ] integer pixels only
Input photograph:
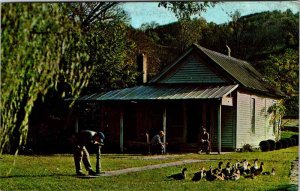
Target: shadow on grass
[
  {"x": 37, "y": 176},
  {"x": 286, "y": 187}
]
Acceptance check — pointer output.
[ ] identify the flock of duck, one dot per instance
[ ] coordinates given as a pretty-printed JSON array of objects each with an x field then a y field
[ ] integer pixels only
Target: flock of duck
[{"x": 230, "y": 172}]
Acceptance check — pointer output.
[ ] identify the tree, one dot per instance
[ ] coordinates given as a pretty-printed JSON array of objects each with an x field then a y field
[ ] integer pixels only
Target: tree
[
  {"x": 35, "y": 38},
  {"x": 186, "y": 9},
  {"x": 282, "y": 71},
  {"x": 110, "y": 51}
]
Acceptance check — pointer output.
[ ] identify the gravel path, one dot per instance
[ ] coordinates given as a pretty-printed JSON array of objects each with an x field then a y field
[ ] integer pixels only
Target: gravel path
[
  {"x": 294, "y": 176},
  {"x": 150, "y": 167}
]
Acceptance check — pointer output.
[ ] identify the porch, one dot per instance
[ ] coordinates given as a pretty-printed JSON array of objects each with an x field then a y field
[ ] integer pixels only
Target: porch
[{"x": 125, "y": 120}]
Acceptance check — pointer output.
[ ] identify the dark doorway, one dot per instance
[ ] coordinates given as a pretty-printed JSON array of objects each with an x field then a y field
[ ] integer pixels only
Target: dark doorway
[
  {"x": 130, "y": 124},
  {"x": 193, "y": 122}
]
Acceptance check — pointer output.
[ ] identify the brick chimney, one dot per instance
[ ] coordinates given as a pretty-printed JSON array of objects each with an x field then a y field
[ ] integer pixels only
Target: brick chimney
[{"x": 142, "y": 68}]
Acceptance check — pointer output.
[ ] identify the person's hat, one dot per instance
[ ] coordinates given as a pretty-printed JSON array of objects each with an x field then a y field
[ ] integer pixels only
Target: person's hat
[{"x": 101, "y": 137}]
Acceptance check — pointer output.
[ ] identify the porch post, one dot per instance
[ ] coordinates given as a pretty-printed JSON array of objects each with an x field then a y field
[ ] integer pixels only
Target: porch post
[
  {"x": 203, "y": 112},
  {"x": 219, "y": 127},
  {"x": 76, "y": 124},
  {"x": 165, "y": 125},
  {"x": 121, "y": 131}
]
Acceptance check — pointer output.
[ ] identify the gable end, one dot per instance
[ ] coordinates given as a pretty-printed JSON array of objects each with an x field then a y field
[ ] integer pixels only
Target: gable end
[{"x": 192, "y": 69}]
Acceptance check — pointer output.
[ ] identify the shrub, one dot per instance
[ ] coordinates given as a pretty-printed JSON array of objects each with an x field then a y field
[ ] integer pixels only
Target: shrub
[
  {"x": 278, "y": 145},
  {"x": 295, "y": 137},
  {"x": 284, "y": 143},
  {"x": 272, "y": 144},
  {"x": 290, "y": 142},
  {"x": 264, "y": 146},
  {"x": 294, "y": 141},
  {"x": 247, "y": 147}
]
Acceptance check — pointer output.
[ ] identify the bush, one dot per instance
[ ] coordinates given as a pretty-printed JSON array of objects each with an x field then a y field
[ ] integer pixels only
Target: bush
[
  {"x": 295, "y": 137},
  {"x": 278, "y": 145},
  {"x": 290, "y": 142},
  {"x": 247, "y": 147},
  {"x": 264, "y": 146},
  {"x": 294, "y": 141},
  {"x": 284, "y": 143},
  {"x": 272, "y": 144}
]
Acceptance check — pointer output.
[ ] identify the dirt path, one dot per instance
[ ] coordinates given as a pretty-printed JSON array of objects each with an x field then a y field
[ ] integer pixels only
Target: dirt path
[
  {"x": 150, "y": 167},
  {"x": 294, "y": 176}
]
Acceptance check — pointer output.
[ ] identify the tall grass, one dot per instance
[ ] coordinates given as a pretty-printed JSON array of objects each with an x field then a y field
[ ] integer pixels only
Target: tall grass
[{"x": 57, "y": 172}]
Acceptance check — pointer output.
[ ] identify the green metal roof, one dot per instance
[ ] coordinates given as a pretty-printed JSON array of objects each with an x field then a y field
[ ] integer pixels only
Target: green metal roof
[
  {"x": 162, "y": 93},
  {"x": 241, "y": 71}
]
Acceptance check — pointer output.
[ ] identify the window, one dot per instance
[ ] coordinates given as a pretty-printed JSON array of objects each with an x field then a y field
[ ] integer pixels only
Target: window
[{"x": 252, "y": 114}]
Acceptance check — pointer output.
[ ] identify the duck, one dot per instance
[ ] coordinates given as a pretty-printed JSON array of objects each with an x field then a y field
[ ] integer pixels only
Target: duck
[
  {"x": 236, "y": 175},
  {"x": 226, "y": 171},
  {"x": 179, "y": 176},
  {"x": 219, "y": 167},
  {"x": 199, "y": 175},
  {"x": 270, "y": 173},
  {"x": 219, "y": 175},
  {"x": 255, "y": 166},
  {"x": 210, "y": 176},
  {"x": 257, "y": 172},
  {"x": 244, "y": 168},
  {"x": 234, "y": 168}
]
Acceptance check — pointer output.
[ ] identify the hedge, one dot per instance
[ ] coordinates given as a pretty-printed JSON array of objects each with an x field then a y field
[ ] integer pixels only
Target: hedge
[
  {"x": 278, "y": 145},
  {"x": 272, "y": 144},
  {"x": 264, "y": 146}
]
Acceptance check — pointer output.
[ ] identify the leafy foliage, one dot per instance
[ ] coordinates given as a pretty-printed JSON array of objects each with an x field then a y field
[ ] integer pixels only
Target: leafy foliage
[
  {"x": 110, "y": 51},
  {"x": 282, "y": 71},
  {"x": 185, "y": 9},
  {"x": 35, "y": 36}
]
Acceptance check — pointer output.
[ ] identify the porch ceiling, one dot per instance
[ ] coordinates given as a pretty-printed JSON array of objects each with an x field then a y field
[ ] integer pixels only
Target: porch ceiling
[{"x": 162, "y": 93}]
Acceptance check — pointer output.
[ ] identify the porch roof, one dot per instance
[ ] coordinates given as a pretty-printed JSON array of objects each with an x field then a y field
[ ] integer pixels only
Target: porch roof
[{"x": 162, "y": 93}]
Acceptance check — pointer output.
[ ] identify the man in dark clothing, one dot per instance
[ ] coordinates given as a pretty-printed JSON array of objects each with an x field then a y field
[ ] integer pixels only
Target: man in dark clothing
[
  {"x": 157, "y": 144},
  {"x": 82, "y": 139},
  {"x": 204, "y": 142}
]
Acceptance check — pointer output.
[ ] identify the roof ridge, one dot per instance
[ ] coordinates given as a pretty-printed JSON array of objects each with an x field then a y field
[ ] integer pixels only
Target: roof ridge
[{"x": 220, "y": 54}]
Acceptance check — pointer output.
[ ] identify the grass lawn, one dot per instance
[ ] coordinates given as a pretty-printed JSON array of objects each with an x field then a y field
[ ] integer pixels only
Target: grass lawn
[
  {"x": 290, "y": 122},
  {"x": 57, "y": 172},
  {"x": 287, "y": 134}
]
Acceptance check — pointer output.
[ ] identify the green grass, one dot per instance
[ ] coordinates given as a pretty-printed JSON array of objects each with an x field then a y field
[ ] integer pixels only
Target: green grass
[
  {"x": 57, "y": 172},
  {"x": 287, "y": 134},
  {"x": 290, "y": 122}
]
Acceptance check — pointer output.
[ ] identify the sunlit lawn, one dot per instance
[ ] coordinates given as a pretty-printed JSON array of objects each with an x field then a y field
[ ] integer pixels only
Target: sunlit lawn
[{"x": 57, "y": 172}]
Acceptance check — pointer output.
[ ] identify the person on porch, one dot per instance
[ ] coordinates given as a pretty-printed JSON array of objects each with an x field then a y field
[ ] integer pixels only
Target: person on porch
[
  {"x": 204, "y": 144},
  {"x": 157, "y": 145}
]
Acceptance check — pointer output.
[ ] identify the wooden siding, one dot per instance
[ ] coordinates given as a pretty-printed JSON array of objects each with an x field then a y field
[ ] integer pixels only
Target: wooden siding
[
  {"x": 227, "y": 127},
  {"x": 193, "y": 70},
  {"x": 262, "y": 126}
]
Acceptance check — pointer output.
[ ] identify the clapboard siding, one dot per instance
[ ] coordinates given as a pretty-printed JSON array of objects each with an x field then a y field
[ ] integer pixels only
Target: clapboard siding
[
  {"x": 243, "y": 119},
  {"x": 193, "y": 70},
  {"x": 263, "y": 129},
  {"x": 227, "y": 127}
]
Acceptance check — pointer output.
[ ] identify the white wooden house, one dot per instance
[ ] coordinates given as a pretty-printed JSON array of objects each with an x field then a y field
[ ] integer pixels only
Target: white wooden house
[{"x": 201, "y": 88}]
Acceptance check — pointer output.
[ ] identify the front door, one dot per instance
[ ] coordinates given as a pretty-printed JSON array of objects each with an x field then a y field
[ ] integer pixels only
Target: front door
[{"x": 193, "y": 122}]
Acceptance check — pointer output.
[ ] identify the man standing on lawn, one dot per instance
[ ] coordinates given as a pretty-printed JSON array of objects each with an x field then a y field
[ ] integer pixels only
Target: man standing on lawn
[{"x": 82, "y": 139}]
